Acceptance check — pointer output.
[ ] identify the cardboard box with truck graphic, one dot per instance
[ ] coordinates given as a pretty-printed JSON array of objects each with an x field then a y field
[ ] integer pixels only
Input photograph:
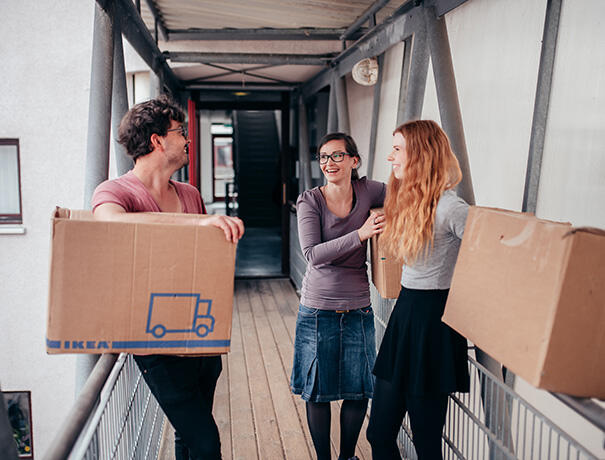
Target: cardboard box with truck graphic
[{"x": 138, "y": 287}]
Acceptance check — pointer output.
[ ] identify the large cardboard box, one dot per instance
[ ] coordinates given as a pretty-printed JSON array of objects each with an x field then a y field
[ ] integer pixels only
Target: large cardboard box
[
  {"x": 386, "y": 270},
  {"x": 138, "y": 287},
  {"x": 531, "y": 293}
]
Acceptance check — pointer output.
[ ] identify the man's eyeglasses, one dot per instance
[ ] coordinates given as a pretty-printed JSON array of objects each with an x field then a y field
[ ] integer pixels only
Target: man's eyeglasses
[
  {"x": 180, "y": 129},
  {"x": 337, "y": 157}
]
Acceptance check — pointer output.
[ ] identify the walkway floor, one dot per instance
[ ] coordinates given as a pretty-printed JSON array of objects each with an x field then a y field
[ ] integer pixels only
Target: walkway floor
[{"x": 257, "y": 415}]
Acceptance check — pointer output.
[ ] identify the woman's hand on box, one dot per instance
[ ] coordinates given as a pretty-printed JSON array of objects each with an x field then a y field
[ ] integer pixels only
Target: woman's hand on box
[
  {"x": 372, "y": 226},
  {"x": 233, "y": 227}
]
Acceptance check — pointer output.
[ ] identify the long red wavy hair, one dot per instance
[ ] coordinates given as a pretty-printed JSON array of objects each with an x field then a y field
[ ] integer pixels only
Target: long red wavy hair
[{"x": 431, "y": 168}]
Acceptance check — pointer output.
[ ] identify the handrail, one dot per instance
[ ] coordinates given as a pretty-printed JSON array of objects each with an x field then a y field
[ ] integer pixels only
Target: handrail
[
  {"x": 585, "y": 407},
  {"x": 81, "y": 410}
]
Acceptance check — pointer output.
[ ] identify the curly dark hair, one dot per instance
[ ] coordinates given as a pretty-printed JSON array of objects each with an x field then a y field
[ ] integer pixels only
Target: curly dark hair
[
  {"x": 350, "y": 145},
  {"x": 145, "y": 119}
]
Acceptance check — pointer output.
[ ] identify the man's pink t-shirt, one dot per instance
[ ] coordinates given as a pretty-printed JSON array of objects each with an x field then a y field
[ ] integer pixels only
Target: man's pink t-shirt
[{"x": 130, "y": 193}]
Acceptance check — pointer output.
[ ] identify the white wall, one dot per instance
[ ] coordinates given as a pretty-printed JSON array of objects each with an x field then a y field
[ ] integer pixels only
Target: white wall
[
  {"x": 496, "y": 54},
  {"x": 387, "y": 116},
  {"x": 360, "y": 100},
  {"x": 46, "y": 56},
  {"x": 572, "y": 184}
]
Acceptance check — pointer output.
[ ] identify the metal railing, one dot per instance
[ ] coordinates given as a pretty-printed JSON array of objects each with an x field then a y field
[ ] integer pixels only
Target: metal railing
[
  {"x": 492, "y": 421},
  {"x": 115, "y": 416}
]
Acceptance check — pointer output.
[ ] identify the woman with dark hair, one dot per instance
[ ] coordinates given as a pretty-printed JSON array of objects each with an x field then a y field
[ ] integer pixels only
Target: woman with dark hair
[
  {"x": 334, "y": 348},
  {"x": 421, "y": 360}
]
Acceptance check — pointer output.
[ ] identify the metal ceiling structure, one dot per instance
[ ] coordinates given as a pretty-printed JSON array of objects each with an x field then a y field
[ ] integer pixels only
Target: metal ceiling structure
[{"x": 261, "y": 44}]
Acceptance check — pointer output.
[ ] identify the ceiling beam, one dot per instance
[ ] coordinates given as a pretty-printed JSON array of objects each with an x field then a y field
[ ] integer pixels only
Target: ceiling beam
[
  {"x": 364, "y": 17},
  {"x": 263, "y": 34},
  {"x": 158, "y": 18},
  {"x": 379, "y": 39},
  {"x": 444, "y": 6},
  {"x": 248, "y": 58},
  {"x": 242, "y": 86},
  {"x": 137, "y": 34}
]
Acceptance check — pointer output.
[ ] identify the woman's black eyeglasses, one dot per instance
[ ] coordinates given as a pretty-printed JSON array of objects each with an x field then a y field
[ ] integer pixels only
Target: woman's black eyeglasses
[{"x": 337, "y": 157}]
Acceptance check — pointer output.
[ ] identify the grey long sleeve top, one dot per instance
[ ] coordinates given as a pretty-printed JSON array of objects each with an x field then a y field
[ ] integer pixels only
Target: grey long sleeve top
[
  {"x": 436, "y": 270},
  {"x": 336, "y": 276}
]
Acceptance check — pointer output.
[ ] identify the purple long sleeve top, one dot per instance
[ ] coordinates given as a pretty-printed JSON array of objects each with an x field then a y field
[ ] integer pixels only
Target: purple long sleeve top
[{"x": 336, "y": 277}]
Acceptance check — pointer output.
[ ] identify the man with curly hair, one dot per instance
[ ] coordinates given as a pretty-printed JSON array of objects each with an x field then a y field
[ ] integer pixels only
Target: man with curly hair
[{"x": 154, "y": 135}]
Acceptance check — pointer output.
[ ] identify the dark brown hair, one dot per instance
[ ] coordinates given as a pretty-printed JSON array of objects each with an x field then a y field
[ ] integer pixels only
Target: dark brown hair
[
  {"x": 349, "y": 145},
  {"x": 145, "y": 119}
]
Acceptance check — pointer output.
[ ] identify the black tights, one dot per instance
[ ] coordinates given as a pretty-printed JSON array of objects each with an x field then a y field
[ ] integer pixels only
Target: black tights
[
  {"x": 427, "y": 418},
  {"x": 352, "y": 413}
]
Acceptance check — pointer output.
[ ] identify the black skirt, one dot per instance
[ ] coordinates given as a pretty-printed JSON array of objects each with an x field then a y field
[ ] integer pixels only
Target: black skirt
[{"x": 419, "y": 353}]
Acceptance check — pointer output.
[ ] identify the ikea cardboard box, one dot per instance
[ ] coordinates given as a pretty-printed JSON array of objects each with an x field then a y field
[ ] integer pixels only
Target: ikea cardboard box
[
  {"x": 386, "y": 270},
  {"x": 138, "y": 287},
  {"x": 531, "y": 293}
]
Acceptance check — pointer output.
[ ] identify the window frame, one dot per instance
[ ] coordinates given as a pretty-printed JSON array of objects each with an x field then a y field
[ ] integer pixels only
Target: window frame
[{"x": 12, "y": 219}]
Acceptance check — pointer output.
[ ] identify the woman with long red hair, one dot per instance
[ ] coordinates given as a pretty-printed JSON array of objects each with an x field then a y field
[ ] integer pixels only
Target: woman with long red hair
[{"x": 421, "y": 360}]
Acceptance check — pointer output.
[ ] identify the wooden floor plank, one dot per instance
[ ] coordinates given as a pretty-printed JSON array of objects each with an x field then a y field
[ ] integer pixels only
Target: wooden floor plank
[
  {"x": 265, "y": 420},
  {"x": 285, "y": 291},
  {"x": 257, "y": 415},
  {"x": 243, "y": 437},
  {"x": 270, "y": 334}
]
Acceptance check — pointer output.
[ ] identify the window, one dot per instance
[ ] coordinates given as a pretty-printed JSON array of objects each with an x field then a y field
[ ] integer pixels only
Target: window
[{"x": 10, "y": 182}]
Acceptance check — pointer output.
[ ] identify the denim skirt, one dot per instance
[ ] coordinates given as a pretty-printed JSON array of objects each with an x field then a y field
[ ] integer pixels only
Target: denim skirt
[{"x": 334, "y": 354}]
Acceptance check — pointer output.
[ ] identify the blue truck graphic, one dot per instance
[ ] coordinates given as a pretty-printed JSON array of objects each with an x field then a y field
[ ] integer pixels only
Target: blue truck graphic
[{"x": 202, "y": 322}]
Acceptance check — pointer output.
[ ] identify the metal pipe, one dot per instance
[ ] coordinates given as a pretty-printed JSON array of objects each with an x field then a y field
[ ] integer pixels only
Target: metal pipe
[
  {"x": 541, "y": 104},
  {"x": 342, "y": 105},
  {"x": 365, "y": 16},
  {"x": 119, "y": 101},
  {"x": 81, "y": 410},
  {"x": 248, "y": 58}
]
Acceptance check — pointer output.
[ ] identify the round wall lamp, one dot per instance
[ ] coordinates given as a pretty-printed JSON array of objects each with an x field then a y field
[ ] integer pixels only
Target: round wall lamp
[{"x": 365, "y": 72}]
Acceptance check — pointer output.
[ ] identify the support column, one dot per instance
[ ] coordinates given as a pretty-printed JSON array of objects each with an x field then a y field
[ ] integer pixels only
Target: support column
[
  {"x": 375, "y": 113},
  {"x": 99, "y": 123},
  {"x": 541, "y": 104},
  {"x": 332, "y": 110},
  {"x": 342, "y": 105},
  {"x": 447, "y": 95},
  {"x": 413, "y": 75},
  {"x": 305, "y": 180},
  {"x": 99, "y": 107},
  {"x": 119, "y": 101}
]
